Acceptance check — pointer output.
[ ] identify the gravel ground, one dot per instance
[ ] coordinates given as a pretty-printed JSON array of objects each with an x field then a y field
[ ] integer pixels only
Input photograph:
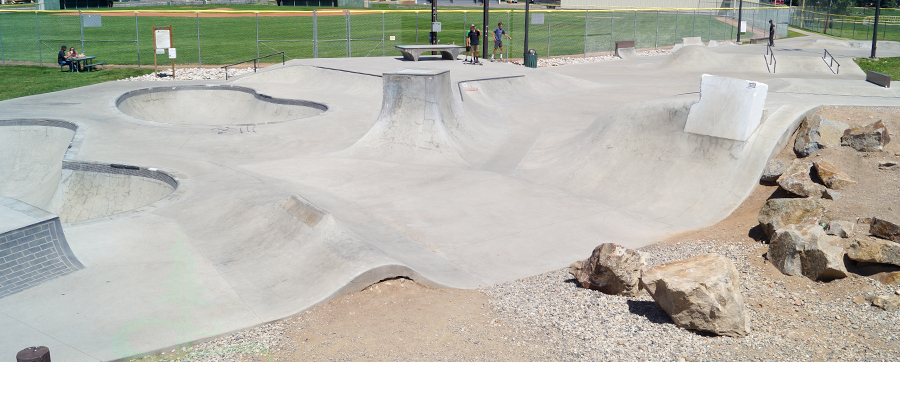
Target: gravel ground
[
  {"x": 560, "y": 61},
  {"x": 192, "y": 74},
  {"x": 800, "y": 321}
]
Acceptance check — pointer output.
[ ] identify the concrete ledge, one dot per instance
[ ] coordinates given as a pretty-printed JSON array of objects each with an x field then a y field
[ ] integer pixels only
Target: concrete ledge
[{"x": 878, "y": 79}]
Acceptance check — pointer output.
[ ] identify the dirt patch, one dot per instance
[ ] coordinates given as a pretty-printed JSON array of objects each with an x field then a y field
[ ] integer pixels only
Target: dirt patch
[{"x": 399, "y": 320}]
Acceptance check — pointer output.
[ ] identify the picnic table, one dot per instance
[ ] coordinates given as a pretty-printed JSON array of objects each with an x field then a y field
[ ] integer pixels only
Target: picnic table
[
  {"x": 86, "y": 63},
  {"x": 413, "y": 52}
]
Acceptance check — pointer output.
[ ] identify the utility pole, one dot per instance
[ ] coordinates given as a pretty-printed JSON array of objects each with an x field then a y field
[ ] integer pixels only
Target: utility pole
[
  {"x": 527, "y": 26},
  {"x": 740, "y": 15},
  {"x": 875, "y": 29}
]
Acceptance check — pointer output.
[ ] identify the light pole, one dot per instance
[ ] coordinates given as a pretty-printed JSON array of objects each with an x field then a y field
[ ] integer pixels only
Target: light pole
[
  {"x": 875, "y": 29},
  {"x": 527, "y": 25},
  {"x": 740, "y": 15}
]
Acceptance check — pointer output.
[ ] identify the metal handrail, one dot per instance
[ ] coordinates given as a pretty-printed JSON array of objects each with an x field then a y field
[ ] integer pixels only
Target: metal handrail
[
  {"x": 770, "y": 59},
  {"x": 832, "y": 63},
  {"x": 255, "y": 62}
]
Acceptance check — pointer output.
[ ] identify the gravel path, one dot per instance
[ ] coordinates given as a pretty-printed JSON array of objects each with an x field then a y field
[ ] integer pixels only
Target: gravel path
[
  {"x": 191, "y": 74},
  {"x": 560, "y": 61}
]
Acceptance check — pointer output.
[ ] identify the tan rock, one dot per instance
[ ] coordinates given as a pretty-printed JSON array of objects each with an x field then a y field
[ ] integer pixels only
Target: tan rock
[
  {"x": 842, "y": 229},
  {"x": 807, "y": 251},
  {"x": 887, "y": 302},
  {"x": 885, "y": 229},
  {"x": 873, "y": 250},
  {"x": 700, "y": 293},
  {"x": 832, "y": 176},
  {"x": 796, "y": 180},
  {"x": 817, "y": 133},
  {"x": 611, "y": 269},
  {"x": 778, "y": 213},
  {"x": 867, "y": 138},
  {"x": 891, "y": 278}
]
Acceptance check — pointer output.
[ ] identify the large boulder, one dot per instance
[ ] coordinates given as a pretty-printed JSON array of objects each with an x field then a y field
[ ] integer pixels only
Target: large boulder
[
  {"x": 867, "y": 138},
  {"x": 832, "y": 176},
  {"x": 796, "y": 180},
  {"x": 778, "y": 213},
  {"x": 611, "y": 269},
  {"x": 701, "y": 293},
  {"x": 807, "y": 251},
  {"x": 886, "y": 229},
  {"x": 818, "y": 133},
  {"x": 873, "y": 250},
  {"x": 842, "y": 229},
  {"x": 773, "y": 170}
]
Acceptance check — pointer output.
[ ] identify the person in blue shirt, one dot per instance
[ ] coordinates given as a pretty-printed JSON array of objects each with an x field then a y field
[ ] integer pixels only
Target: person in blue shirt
[
  {"x": 498, "y": 40},
  {"x": 472, "y": 40}
]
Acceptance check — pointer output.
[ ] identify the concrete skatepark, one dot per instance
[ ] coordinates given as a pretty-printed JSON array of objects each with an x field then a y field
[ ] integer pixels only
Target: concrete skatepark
[{"x": 241, "y": 202}]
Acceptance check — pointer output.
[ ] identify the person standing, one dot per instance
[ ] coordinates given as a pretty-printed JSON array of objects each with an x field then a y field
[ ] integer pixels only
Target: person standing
[
  {"x": 498, "y": 40},
  {"x": 771, "y": 33},
  {"x": 473, "y": 39}
]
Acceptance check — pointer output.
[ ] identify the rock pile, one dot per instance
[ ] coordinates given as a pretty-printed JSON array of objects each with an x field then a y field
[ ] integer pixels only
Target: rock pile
[
  {"x": 802, "y": 241},
  {"x": 700, "y": 293}
]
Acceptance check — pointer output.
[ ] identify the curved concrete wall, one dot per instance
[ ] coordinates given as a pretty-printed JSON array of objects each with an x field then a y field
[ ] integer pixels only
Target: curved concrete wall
[
  {"x": 31, "y": 152},
  {"x": 88, "y": 191},
  {"x": 213, "y": 105}
]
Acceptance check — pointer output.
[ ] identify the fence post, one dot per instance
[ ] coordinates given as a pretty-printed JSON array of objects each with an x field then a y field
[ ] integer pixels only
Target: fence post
[
  {"x": 383, "y": 43},
  {"x": 315, "y": 35},
  {"x": 347, "y": 17},
  {"x": 675, "y": 38},
  {"x": 37, "y": 23},
  {"x": 585, "y": 32},
  {"x": 81, "y": 28},
  {"x": 634, "y": 36},
  {"x": 200, "y": 59},
  {"x": 137, "y": 41},
  {"x": 2, "y": 55},
  {"x": 548, "y": 33},
  {"x": 656, "y": 43},
  {"x": 709, "y": 19},
  {"x": 417, "y": 27},
  {"x": 257, "y": 34},
  {"x": 693, "y": 23}
]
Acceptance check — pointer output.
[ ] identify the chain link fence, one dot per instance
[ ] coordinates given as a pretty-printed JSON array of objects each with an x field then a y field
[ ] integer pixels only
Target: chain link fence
[
  {"x": 214, "y": 38},
  {"x": 858, "y": 25}
]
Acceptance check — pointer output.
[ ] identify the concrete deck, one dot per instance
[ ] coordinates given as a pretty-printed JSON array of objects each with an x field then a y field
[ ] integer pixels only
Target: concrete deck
[{"x": 272, "y": 219}]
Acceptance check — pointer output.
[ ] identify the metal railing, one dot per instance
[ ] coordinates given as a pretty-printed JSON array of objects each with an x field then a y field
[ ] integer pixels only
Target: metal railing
[
  {"x": 770, "y": 59},
  {"x": 831, "y": 63},
  {"x": 255, "y": 62}
]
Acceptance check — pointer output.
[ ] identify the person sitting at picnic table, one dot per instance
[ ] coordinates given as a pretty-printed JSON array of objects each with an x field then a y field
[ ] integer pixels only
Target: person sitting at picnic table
[
  {"x": 73, "y": 53},
  {"x": 63, "y": 59}
]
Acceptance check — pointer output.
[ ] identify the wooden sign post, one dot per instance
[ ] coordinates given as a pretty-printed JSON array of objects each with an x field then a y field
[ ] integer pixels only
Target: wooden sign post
[{"x": 162, "y": 41}]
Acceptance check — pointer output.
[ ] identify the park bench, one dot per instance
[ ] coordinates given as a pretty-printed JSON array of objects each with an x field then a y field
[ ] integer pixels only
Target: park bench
[
  {"x": 413, "y": 52},
  {"x": 92, "y": 66}
]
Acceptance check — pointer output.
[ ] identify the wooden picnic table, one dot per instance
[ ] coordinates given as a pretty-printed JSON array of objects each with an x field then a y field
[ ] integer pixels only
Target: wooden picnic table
[{"x": 81, "y": 62}]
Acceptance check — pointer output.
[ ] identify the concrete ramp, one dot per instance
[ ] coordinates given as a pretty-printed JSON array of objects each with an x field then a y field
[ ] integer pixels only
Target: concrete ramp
[
  {"x": 31, "y": 152},
  {"x": 729, "y": 108},
  {"x": 422, "y": 123},
  {"x": 33, "y": 248},
  {"x": 639, "y": 159}
]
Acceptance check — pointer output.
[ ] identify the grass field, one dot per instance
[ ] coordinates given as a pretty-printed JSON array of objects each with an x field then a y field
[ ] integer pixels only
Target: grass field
[
  {"x": 19, "y": 81},
  {"x": 888, "y": 66},
  {"x": 127, "y": 40}
]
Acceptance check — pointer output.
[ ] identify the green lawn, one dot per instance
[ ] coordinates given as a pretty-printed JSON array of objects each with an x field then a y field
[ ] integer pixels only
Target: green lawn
[
  {"x": 853, "y": 27},
  {"x": 888, "y": 66},
  {"x": 227, "y": 40},
  {"x": 19, "y": 81},
  {"x": 792, "y": 33}
]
